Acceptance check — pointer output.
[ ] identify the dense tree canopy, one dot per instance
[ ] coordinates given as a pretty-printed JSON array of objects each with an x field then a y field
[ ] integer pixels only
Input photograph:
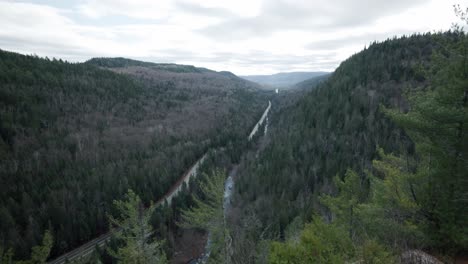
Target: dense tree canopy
[
  {"x": 337, "y": 129},
  {"x": 75, "y": 137},
  {"x": 359, "y": 166}
]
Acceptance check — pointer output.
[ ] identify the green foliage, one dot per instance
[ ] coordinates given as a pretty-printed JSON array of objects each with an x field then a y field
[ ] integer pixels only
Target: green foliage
[
  {"x": 343, "y": 206},
  {"x": 75, "y": 136},
  {"x": 358, "y": 220},
  {"x": 319, "y": 243},
  {"x": 392, "y": 204},
  {"x": 438, "y": 124},
  {"x": 397, "y": 188},
  {"x": 372, "y": 252},
  {"x": 208, "y": 214},
  {"x": 6, "y": 256},
  {"x": 207, "y": 211},
  {"x": 134, "y": 232},
  {"x": 385, "y": 203},
  {"x": 39, "y": 254},
  {"x": 293, "y": 230},
  {"x": 335, "y": 127}
]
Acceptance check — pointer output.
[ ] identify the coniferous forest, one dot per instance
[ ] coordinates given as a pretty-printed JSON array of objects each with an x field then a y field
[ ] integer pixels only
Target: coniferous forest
[
  {"x": 75, "y": 137},
  {"x": 367, "y": 164}
]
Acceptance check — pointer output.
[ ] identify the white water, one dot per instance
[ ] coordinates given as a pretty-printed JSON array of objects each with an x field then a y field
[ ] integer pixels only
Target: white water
[{"x": 229, "y": 185}]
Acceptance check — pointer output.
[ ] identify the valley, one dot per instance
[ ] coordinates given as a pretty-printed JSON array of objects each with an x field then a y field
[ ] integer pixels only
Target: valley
[
  {"x": 85, "y": 250},
  {"x": 233, "y": 133}
]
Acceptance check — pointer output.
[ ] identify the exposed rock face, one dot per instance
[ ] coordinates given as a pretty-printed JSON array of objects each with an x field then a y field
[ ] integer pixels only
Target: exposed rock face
[{"x": 418, "y": 257}]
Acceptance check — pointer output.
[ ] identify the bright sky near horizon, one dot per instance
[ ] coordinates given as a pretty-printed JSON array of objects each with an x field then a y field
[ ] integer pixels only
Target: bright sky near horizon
[{"x": 242, "y": 36}]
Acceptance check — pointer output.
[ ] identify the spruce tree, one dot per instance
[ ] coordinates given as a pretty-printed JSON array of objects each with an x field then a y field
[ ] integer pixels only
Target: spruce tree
[
  {"x": 134, "y": 232},
  {"x": 438, "y": 124},
  {"x": 392, "y": 214},
  {"x": 208, "y": 214},
  {"x": 344, "y": 205},
  {"x": 39, "y": 253}
]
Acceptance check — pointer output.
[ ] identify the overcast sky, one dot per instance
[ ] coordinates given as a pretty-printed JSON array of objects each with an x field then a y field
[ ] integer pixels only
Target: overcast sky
[{"x": 242, "y": 36}]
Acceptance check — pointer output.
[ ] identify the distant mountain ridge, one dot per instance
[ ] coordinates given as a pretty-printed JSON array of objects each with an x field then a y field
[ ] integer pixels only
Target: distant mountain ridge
[
  {"x": 282, "y": 79},
  {"x": 120, "y": 62},
  {"x": 311, "y": 83}
]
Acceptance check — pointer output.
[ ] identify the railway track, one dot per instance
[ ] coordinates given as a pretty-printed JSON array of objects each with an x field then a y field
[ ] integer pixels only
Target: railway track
[{"x": 88, "y": 248}]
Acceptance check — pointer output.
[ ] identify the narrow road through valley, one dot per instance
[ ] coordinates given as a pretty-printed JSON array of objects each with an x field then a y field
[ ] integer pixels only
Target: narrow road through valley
[{"x": 88, "y": 248}]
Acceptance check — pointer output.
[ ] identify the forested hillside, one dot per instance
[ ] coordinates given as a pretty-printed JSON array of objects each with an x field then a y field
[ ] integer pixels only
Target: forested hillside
[
  {"x": 337, "y": 130},
  {"x": 76, "y": 136}
]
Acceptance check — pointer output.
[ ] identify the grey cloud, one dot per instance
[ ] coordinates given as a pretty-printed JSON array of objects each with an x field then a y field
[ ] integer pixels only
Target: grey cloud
[
  {"x": 171, "y": 55},
  {"x": 277, "y": 15},
  {"x": 43, "y": 47},
  {"x": 362, "y": 39},
  {"x": 203, "y": 11},
  {"x": 76, "y": 42}
]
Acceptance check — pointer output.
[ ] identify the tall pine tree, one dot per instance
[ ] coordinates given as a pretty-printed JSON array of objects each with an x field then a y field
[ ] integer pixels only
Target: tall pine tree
[
  {"x": 135, "y": 233},
  {"x": 208, "y": 214},
  {"x": 438, "y": 124}
]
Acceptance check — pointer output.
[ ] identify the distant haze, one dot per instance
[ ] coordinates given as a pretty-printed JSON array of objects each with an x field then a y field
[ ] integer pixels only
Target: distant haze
[{"x": 282, "y": 79}]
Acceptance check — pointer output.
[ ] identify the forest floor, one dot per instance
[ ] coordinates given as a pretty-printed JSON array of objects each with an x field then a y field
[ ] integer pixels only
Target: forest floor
[
  {"x": 461, "y": 259},
  {"x": 190, "y": 244}
]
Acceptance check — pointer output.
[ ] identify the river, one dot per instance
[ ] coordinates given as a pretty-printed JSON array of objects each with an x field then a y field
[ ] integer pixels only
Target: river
[{"x": 229, "y": 185}]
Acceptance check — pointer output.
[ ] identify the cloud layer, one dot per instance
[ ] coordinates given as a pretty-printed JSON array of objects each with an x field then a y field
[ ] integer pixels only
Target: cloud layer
[{"x": 243, "y": 36}]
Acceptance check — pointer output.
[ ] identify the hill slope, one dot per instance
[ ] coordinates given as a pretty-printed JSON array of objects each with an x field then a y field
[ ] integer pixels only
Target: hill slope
[
  {"x": 74, "y": 137},
  {"x": 335, "y": 127}
]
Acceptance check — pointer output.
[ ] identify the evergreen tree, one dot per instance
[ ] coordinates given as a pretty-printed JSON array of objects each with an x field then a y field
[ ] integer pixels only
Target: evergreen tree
[
  {"x": 438, "y": 124},
  {"x": 392, "y": 214},
  {"x": 208, "y": 214},
  {"x": 319, "y": 243},
  {"x": 75, "y": 136},
  {"x": 343, "y": 206},
  {"x": 39, "y": 253},
  {"x": 134, "y": 231}
]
